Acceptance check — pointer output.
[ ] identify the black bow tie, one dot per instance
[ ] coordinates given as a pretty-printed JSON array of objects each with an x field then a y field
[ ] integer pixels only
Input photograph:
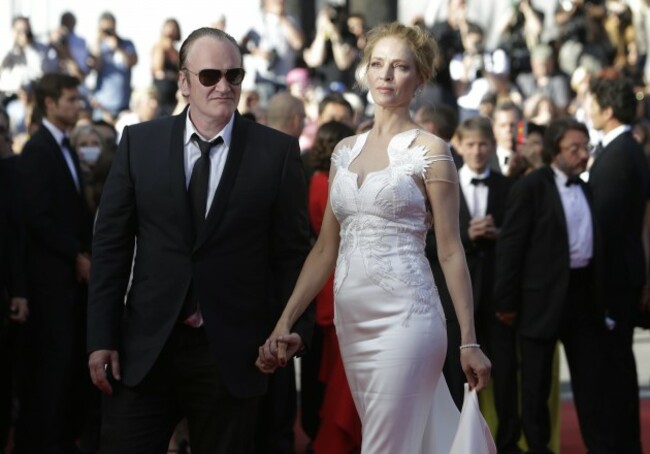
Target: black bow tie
[
  {"x": 572, "y": 180},
  {"x": 476, "y": 181}
]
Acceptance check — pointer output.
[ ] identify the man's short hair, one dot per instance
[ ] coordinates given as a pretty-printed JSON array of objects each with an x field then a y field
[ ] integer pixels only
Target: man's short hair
[
  {"x": 51, "y": 85},
  {"x": 443, "y": 117},
  {"x": 478, "y": 124},
  {"x": 335, "y": 98},
  {"x": 617, "y": 94},
  {"x": 215, "y": 33}
]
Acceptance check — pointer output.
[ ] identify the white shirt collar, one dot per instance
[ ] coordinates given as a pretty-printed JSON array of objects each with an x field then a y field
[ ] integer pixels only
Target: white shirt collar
[
  {"x": 613, "y": 134},
  {"x": 560, "y": 176},
  {"x": 225, "y": 133},
  {"x": 466, "y": 174},
  {"x": 56, "y": 132}
]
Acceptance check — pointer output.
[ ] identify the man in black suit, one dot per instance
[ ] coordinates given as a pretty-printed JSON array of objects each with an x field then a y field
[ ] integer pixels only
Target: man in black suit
[
  {"x": 222, "y": 233},
  {"x": 58, "y": 229},
  {"x": 14, "y": 309},
  {"x": 546, "y": 264},
  {"x": 481, "y": 212},
  {"x": 619, "y": 181}
]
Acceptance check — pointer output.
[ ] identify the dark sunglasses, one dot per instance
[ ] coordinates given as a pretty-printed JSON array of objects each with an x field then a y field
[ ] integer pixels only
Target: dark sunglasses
[{"x": 211, "y": 77}]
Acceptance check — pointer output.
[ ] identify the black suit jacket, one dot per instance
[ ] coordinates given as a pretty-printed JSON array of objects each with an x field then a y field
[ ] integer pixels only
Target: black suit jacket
[
  {"x": 479, "y": 254},
  {"x": 243, "y": 266},
  {"x": 532, "y": 257},
  {"x": 56, "y": 217},
  {"x": 619, "y": 183},
  {"x": 12, "y": 239}
]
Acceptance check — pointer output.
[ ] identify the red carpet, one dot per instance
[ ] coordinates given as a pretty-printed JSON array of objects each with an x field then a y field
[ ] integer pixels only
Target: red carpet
[{"x": 570, "y": 439}]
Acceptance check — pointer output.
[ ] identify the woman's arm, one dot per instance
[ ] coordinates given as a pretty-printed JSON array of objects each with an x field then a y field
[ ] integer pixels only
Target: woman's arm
[
  {"x": 318, "y": 267},
  {"x": 443, "y": 194}
]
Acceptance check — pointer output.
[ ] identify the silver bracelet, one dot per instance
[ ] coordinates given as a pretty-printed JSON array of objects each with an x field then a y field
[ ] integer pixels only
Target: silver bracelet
[{"x": 464, "y": 346}]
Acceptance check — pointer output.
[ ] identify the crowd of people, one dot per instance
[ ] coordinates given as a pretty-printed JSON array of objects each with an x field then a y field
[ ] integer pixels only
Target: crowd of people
[{"x": 104, "y": 249}]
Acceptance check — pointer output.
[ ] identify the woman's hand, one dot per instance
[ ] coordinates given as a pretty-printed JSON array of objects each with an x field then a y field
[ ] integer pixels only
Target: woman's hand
[
  {"x": 476, "y": 367},
  {"x": 278, "y": 349}
]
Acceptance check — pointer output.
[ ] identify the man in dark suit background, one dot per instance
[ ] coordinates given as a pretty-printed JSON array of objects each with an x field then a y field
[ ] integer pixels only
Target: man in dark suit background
[
  {"x": 58, "y": 229},
  {"x": 277, "y": 416},
  {"x": 14, "y": 308},
  {"x": 210, "y": 277},
  {"x": 481, "y": 213},
  {"x": 546, "y": 276},
  {"x": 619, "y": 182}
]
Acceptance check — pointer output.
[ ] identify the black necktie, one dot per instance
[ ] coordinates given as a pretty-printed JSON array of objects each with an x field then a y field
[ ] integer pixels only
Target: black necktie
[
  {"x": 572, "y": 180},
  {"x": 598, "y": 150},
  {"x": 477, "y": 181},
  {"x": 199, "y": 182},
  {"x": 66, "y": 146},
  {"x": 66, "y": 143}
]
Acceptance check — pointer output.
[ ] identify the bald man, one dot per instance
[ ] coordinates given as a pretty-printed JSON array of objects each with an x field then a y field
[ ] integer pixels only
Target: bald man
[{"x": 286, "y": 113}]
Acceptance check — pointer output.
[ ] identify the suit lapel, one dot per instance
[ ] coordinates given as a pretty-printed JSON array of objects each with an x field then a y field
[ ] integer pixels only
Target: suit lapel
[
  {"x": 492, "y": 194},
  {"x": 465, "y": 215},
  {"x": 557, "y": 202},
  {"x": 228, "y": 178},
  {"x": 613, "y": 145},
  {"x": 179, "y": 195}
]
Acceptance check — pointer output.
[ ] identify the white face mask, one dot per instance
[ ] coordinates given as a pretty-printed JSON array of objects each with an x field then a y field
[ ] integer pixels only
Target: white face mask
[{"x": 89, "y": 154}]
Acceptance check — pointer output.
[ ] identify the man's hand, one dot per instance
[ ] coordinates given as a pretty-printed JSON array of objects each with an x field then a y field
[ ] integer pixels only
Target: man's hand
[
  {"x": 18, "y": 310},
  {"x": 482, "y": 228},
  {"x": 277, "y": 351},
  {"x": 82, "y": 266},
  {"x": 102, "y": 363}
]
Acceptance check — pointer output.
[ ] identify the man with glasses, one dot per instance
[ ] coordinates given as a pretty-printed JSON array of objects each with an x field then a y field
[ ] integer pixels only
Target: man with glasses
[
  {"x": 547, "y": 271},
  {"x": 217, "y": 204}
]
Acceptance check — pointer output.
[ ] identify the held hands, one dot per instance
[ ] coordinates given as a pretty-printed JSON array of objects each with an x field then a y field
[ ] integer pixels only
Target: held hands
[
  {"x": 476, "y": 367},
  {"x": 278, "y": 349}
]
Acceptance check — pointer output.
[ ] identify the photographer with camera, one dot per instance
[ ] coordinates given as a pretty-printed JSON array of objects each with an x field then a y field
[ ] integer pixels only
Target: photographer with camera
[
  {"x": 476, "y": 71},
  {"x": 113, "y": 58},
  {"x": 60, "y": 44},
  {"x": 26, "y": 61},
  {"x": 334, "y": 50},
  {"x": 272, "y": 42}
]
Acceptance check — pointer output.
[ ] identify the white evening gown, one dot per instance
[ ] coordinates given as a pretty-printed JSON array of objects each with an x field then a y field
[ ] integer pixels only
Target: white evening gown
[{"x": 388, "y": 316}]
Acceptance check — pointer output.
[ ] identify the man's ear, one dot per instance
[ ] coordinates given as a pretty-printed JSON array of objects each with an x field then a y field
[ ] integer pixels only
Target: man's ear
[
  {"x": 608, "y": 113},
  {"x": 49, "y": 103},
  {"x": 183, "y": 83}
]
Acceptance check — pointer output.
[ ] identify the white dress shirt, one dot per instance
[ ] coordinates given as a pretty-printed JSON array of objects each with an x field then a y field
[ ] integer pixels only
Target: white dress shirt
[
  {"x": 504, "y": 156},
  {"x": 578, "y": 219},
  {"x": 218, "y": 155},
  {"x": 613, "y": 134},
  {"x": 476, "y": 195}
]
